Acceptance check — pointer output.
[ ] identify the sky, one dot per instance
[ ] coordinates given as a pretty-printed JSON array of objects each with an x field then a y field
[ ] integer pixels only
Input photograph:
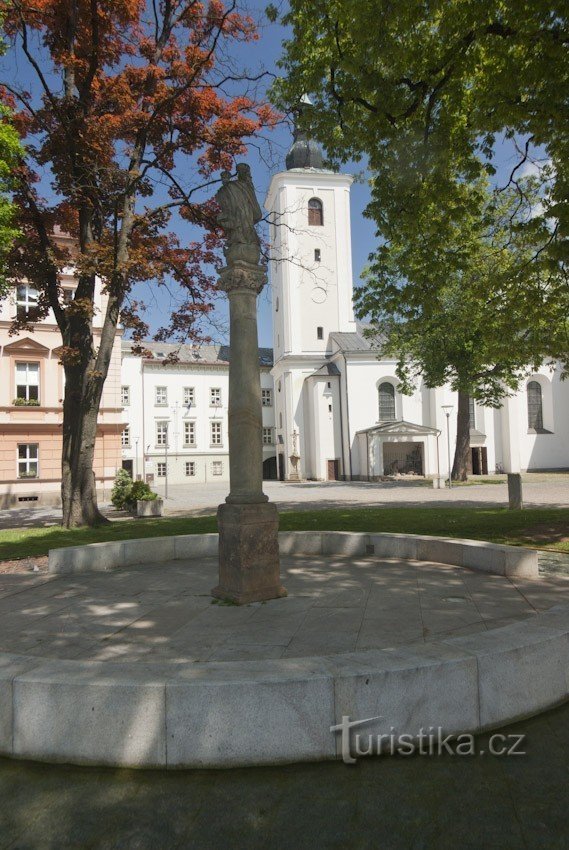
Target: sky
[{"x": 265, "y": 158}]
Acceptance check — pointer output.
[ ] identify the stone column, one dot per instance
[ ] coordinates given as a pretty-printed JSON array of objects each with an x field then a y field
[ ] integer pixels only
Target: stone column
[{"x": 249, "y": 568}]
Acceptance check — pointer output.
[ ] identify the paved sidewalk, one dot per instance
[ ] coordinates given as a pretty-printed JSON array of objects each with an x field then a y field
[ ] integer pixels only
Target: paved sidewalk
[
  {"x": 540, "y": 490},
  {"x": 335, "y": 605},
  {"x": 393, "y": 803}
]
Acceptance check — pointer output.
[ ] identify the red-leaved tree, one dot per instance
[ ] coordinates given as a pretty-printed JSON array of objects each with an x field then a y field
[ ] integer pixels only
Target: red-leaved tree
[{"x": 132, "y": 96}]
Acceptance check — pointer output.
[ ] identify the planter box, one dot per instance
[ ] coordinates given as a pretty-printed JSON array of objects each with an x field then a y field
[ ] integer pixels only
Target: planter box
[{"x": 152, "y": 507}]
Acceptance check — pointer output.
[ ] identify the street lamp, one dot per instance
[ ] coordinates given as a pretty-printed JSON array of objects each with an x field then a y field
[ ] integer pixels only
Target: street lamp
[
  {"x": 166, "y": 463},
  {"x": 447, "y": 409}
]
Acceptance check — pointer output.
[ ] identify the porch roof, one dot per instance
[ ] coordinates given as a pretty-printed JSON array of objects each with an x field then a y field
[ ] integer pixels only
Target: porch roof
[{"x": 400, "y": 428}]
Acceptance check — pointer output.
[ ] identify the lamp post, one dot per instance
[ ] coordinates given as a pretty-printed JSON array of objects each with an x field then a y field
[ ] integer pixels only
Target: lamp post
[
  {"x": 166, "y": 463},
  {"x": 447, "y": 409}
]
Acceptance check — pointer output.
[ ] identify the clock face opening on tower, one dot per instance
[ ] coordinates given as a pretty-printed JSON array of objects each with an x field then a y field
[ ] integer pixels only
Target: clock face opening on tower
[{"x": 318, "y": 295}]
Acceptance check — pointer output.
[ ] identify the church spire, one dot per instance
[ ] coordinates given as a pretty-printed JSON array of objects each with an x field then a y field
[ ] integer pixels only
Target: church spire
[{"x": 304, "y": 152}]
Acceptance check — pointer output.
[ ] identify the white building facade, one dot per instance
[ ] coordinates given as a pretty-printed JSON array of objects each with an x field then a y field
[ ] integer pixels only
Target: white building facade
[
  {"x": 332, "y": 408},
  {"x": 338, "y": 410},
  {"x": 175, "y": 403}
]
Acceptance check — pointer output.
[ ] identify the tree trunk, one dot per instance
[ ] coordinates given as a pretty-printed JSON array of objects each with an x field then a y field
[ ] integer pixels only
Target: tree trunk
[
  {"x": 85, "y": 375},
  {"x": 78, "y": 488},
  {"x": 460, "y": 464}
]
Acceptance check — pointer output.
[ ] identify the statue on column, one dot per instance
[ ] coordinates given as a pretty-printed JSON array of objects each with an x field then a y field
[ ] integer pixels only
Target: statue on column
[{"x": 239, "y": 213}]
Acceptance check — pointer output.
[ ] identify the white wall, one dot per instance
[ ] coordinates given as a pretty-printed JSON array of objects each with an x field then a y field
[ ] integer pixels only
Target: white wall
[{"x": 143, "y": 414}]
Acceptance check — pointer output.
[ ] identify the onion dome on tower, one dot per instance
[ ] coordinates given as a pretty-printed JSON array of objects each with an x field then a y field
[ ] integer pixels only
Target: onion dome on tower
[{"x": 305, "y": 152}]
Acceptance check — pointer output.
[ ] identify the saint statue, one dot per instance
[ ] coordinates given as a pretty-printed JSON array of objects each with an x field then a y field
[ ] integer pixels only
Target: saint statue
[{"x": 239, "y": 213}]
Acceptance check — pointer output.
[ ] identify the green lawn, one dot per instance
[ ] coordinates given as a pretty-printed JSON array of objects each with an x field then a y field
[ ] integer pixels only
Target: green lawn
[{"x": 540, "y": 527}]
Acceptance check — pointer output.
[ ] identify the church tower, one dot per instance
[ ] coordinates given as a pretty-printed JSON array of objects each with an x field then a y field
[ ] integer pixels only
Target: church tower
[
  {"x": 311, "y": 280},
  {"x": 311, "y": 268}
]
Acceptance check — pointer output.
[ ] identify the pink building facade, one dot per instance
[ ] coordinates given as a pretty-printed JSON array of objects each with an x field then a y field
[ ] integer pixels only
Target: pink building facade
[{"x": 31, "y": 412}]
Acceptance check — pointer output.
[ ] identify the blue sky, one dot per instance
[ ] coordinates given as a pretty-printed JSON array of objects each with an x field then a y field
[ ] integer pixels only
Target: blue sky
[{"x": 265, "y": 158}]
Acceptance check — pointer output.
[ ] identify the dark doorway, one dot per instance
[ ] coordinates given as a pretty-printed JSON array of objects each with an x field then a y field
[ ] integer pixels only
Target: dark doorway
[
  {"x": 270, "y": 469},
  {"x": 403, "y": 458},
  {"x": 479, "y": 460},
  {"x": 333, "y": 470},
  {"x": 281, "y": 470},
  {"x": 127, "y": 466}
]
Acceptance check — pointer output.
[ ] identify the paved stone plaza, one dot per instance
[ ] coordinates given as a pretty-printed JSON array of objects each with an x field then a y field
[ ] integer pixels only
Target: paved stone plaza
[{"x": 335, "y": 605}]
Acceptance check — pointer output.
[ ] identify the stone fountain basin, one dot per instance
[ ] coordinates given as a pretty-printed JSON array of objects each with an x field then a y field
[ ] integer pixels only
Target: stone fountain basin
[{"x": 278, "y": 710}]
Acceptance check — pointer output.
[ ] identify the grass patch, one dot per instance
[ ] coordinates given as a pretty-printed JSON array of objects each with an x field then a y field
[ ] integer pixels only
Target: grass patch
[{"x": 539, "y": 527}]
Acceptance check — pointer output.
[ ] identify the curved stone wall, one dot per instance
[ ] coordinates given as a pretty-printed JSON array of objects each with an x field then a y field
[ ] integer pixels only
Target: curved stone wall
[
  {"x": 251, "y": 713},
  {"x": 474, "y": 554}
]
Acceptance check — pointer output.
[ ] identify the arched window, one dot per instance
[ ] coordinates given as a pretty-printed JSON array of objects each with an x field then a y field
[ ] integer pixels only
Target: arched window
[
  {"x": 315, "y": 212},
  {"x": 535, "y": 406},
  {"x": 472, "y": 412},
  {"x": 386, "y": 402}
]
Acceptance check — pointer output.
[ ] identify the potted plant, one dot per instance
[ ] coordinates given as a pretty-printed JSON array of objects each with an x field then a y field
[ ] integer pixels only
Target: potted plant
[{"x": 143, "y": 501}]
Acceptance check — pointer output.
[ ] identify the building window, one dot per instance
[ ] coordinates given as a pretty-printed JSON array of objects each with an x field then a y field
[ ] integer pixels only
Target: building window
[
  {"x": 28, "y": 382},
  {"x": 268, "y": 439},
  {"x": 162, "y": 434},
  {"x": 189, "y": 396},
  {"x": 315, "y": 212},
  {"x": 217, "y": 467},
  {"x": 215, "y": 396},
  {"x": 125, "y": 437},
  {"x": 160, "y": 396},
  {"x": 28, "y": 464},
  {"x": 189, "y": 433},
  {"x": 535, "y": 406},
  {"x": 190, "y": 468},
  {"x": 472, "y": 413},
  {"x": 125, "y": 396},
  {"x": 386, "y": 394},
  {"x": 317, "y": 255},
  {"x": 161, "y": 469},
  {"x": 68, "y": 295},
  {"x": 267, "y": 398},
  {"x": 26, "y": 303},
  {"x": 216, "y": 435},
  {"x": 277, "y": 305},
  {"x": 319, "y": 333}
]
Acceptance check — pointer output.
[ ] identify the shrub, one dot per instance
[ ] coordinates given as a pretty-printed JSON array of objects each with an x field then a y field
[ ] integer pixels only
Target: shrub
[
  {"x": 140, "y": 492},
  {"x": 122, "y": 488}
]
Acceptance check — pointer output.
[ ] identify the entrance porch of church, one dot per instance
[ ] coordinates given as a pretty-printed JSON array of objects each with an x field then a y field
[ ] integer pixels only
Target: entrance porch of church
[{"x": 403, "y": 458}]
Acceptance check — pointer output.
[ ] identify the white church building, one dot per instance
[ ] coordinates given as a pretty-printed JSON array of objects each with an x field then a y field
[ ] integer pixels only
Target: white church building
[{"x": 331, "y": 408}]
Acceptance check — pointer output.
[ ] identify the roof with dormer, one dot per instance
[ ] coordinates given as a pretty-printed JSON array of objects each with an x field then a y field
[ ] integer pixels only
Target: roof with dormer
[{"x": 197, "y": 355}]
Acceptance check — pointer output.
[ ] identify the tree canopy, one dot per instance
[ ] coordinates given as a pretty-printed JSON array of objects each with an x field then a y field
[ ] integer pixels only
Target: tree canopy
[
  {"x": 135, "y": 107},
  {"x": 426, "y": 95}
]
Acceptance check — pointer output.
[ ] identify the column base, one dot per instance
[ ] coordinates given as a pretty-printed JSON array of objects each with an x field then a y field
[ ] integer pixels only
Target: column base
[
  {"x": 249, "y": 565},
  {"x": 515, "y": 498}
]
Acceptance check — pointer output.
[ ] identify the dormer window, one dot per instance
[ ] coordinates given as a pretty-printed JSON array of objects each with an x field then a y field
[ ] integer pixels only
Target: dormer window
[{"x": 315, "y": 212}]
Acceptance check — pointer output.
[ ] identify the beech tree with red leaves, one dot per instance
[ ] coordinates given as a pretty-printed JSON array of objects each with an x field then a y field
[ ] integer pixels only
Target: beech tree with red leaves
[{"x": 133, "y": 95}]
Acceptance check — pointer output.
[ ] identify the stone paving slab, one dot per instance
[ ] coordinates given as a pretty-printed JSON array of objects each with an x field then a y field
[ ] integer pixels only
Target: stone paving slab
[{"x": 335, "y": 605}]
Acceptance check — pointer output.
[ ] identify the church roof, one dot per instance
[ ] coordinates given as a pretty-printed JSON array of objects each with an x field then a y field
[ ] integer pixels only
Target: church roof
[
  {"x": 195, "y": 354},
  {"x": 356, "y": 341},
  {"x": 326, "y": 371}
]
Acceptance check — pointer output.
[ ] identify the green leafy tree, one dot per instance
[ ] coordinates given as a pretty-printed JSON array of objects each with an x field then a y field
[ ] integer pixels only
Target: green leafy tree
[
  {"x": 421, "y": 92},
  {"x": 10, "y": 155},
  {"x": 457, "y": 312}
]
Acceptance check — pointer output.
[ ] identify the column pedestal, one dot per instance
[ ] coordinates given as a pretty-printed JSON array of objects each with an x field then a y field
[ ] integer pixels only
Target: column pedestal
[{"x": 249, "y": 567}]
